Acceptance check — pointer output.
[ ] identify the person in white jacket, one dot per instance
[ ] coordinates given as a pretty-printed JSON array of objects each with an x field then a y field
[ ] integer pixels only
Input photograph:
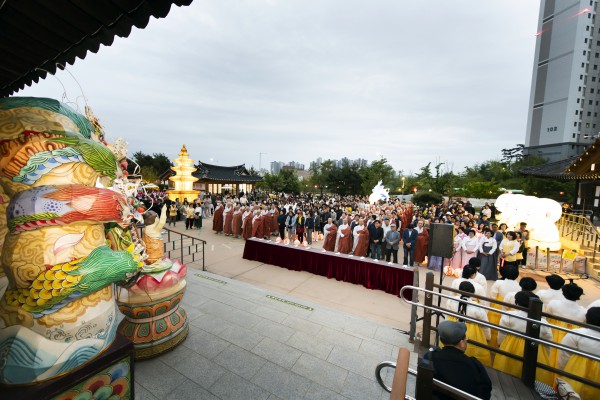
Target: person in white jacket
[
  {"x": 554, "y": 292},
  {"x": 568, "y": 308},
  {"x": 577, "y": 342},
  {"x": 468, "y": 274}
]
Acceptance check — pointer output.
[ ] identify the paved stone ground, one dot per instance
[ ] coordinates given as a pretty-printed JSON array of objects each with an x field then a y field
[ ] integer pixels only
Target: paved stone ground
[{"x": 243, "y": 344}]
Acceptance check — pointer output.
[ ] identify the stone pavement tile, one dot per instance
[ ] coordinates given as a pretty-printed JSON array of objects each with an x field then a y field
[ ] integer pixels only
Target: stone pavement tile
[
  {"x": 240, "y": 361},
  {"x": 194, "y": 299},
  {"x": 281, "y": 382},
  {"x": 339, "y": 338},
  {"x": 233, "y": 387},
  {"x": 243, "y": 318},
  {"x": 199, "y": 369},
  {"x": 217, "y": 308},
  {"x": 211, "y": 323},
  {"x": 142, "y": 394},
  {"x": 269, "y": 313},
  {"x": 274, "y": 330},
  {"x": 322, "y": 372},
  {"x": 358, "y": 388},
  {"x": 360, "y": 327},
  {"x": 242, "y": 337},
  {"x": 318, "y": 392},
  {"x": 307, "y": 343},
  {"x": 352, "y": 361},
  {"x": 189, "y": 390},
  {"x": 157, "y": 377},
  {"x": 273, "y": 397},
  {"x": 192, "y": 312},
  {"x": 329, "y": 317},
  {"x": 391, "y": 336},
  {"x": 240, "y": 304},
  {"x": 377, "y": 349},
  {"x": 204, "y": 343},
  {"x": 303, "y": 325},
  {"x": 279, "y": 353}
]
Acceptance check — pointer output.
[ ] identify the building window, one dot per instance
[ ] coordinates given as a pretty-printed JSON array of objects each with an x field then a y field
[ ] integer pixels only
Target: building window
[
  {"x": 589, "y": 115},
  {"x": 580, "y": 76},
  {"x": 595, "y": 67},
  {"x": 584, "y": 52},
  {"x": 573, "y": 136},
  {"x": 585, "y": 40},
  {"x": 597, "y": 55},
  {"x": 587, "y": 125},
  {"x": 593, "y": 79},
  {"x": 576, "y": 112},
  {"x": 593, "y": 126},
  {"x": 578, "y": 101},
  {"x": 579, "y": 88}
]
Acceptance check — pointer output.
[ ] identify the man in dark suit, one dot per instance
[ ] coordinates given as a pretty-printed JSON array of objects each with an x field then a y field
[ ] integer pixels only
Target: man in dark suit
[
  {"x": 392, "y": 239},
  {"x": 376, "y": 238},
  {"x": 452, "y": 366},
  {"x": 409, "y": 237}
]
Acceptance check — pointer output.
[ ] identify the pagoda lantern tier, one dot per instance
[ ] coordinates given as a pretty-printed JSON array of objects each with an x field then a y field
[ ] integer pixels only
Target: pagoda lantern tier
[{"x": 183, "y": 179}]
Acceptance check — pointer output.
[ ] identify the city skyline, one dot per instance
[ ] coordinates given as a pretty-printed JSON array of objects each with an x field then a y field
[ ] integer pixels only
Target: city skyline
[{"x": 264, "y": 80}]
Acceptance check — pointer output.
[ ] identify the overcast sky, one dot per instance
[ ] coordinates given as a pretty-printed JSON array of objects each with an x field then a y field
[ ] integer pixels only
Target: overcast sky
[{"x": 411, "y": 81}]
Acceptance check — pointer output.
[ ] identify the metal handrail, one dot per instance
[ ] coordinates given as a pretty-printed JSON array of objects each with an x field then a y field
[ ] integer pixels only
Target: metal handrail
[
  {"x": 195, "y": 242},
  {"x": 498, "y": 327},
  {"x": 580, "y": 225}
]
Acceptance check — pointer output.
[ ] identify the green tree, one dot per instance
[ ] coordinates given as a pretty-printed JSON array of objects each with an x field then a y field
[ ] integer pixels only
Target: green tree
[
  {"x": 426, "y": 198},
  {"x": 159, "y": 161},
  {"x": 379, "y": 170},
  {"x": 149, "y": 174}
]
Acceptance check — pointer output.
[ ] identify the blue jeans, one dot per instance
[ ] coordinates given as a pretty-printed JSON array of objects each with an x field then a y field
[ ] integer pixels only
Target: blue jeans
[{"x": 376, "y": 251}]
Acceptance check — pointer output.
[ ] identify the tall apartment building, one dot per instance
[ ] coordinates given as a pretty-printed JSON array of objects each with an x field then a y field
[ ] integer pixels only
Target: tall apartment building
[
  {"x": 565, "y": 100},
  {"x": 276, "y": 167}
]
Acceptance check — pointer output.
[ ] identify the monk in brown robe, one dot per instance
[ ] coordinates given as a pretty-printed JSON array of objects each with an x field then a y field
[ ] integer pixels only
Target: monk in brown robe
[
  {"x": 247, "y": 224},
  {"x": 345, "y": 238},
  {"x": 236, "y": 223},
  {"x": 361, "y": 238},
  {"x": 422, "y": 242},
  {"x": 257, "y": 225},
  {"x": 274, "y": 225},
  {"x": 218, "y": 218},
  {"x": 330, "y": 229},
  {"x": 228, "y": 220}
]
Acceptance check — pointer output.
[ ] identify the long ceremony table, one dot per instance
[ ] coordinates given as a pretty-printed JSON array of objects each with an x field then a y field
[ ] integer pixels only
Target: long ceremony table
[{"x": 343, "y": 267}]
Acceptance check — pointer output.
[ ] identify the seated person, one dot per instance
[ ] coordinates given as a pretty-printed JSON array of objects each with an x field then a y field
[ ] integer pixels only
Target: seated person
[{"x": 453, "y": 367}]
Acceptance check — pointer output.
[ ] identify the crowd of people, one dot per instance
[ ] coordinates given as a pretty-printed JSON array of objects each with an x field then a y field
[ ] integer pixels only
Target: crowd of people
[{"x": 483, "y": 251}]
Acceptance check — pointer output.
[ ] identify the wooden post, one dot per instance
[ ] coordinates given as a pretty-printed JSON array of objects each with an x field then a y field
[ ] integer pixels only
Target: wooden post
[
  {"x": 400, "y": 375},
  {"x": 428, "y": 302},
  {"x": 424, "y": 384},
  {"x": 530, "y": 352}
]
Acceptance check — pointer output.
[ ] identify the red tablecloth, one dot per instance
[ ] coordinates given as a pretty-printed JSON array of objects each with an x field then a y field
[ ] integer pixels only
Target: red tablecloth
[{"x": 371, "y": 274}]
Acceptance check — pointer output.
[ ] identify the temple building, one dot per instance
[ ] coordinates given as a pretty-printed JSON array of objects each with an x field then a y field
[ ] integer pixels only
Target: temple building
[{"x": 215, "y": 179}]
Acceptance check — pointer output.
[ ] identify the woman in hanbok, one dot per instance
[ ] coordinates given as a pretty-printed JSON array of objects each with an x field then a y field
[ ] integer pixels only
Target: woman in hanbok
[
  {"x": 515, "y": 345},
  {"x": 567, "y": 308},
  {"x": 475, "y": 332},
  {"x": 228, "y": 220},
  {"x": 469, "y": 247},
  {"x": 236, "y": 222},
  {"x": 487, "y": 249},
  {"x": 579, "y": 365},
  {"x": 456, "y": 264},
  {"x": 500, "y": 289}
]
